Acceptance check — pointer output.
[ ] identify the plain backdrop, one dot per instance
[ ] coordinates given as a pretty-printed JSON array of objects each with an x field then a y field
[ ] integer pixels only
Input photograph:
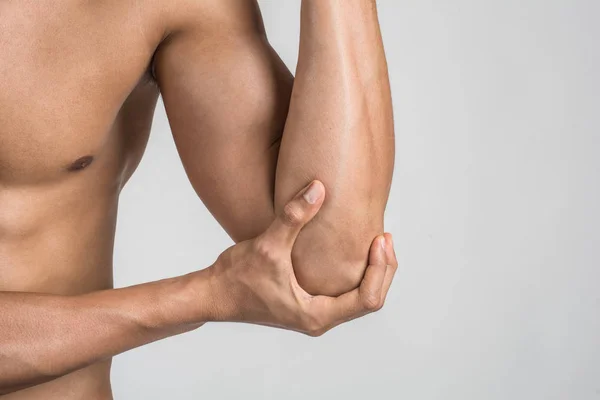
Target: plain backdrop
[{"x": 494, "y": 207}]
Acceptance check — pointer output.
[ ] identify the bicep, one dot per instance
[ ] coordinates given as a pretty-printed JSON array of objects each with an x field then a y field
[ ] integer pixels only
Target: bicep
[{"x": 226, "y": 95}]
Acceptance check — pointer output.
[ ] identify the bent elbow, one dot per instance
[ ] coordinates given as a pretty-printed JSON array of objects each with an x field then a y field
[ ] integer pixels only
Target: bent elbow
[{"x": 330, "y": 256}]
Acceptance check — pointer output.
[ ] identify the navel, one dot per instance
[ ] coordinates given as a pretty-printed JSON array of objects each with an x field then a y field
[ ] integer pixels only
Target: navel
[{"x": 81, "y": 163}]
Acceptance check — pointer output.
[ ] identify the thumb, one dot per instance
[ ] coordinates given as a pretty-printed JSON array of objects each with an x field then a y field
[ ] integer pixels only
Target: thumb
[{"x": 295, "y": 214}]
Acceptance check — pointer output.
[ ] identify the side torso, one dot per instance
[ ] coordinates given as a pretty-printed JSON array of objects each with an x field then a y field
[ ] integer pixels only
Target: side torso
[{"x": 76, "y": 105}]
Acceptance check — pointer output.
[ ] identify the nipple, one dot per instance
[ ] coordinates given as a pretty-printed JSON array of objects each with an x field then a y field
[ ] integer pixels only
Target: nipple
[{"x": 81, "y": 163}]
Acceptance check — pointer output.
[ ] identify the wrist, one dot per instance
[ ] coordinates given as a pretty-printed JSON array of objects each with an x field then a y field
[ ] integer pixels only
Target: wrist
[
  {"x": 339, "y": 8},
  {"x": 340, "y": 30},
  {"x": 179, "y": 304},
  {"x": 195, "y": 301}
]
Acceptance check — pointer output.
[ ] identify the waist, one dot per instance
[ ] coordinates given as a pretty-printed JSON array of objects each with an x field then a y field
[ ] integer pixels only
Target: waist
[{"x": 60, "y": 250}]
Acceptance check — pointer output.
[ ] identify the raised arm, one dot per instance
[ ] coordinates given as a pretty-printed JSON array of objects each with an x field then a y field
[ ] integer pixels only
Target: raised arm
[
  {"x": 339, "y": 130},
  {"x": 227, "y": 95}
]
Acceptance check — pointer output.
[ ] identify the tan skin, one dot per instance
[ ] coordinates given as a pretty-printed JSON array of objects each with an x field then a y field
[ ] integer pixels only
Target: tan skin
[{"x": 76, "y": 104}]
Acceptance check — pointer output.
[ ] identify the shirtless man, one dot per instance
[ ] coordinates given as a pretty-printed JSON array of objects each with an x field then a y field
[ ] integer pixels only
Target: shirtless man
[{"x": 79, "y": 81}]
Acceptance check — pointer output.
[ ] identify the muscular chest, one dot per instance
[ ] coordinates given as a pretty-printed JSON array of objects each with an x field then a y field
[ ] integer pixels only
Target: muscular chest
[{"x": 69, "y": 87}]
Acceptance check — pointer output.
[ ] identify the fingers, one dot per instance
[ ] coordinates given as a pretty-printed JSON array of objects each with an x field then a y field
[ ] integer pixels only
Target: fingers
[
  {"x": 392, "y": 267},
  {"x": 297, "y": 213},
  {"x": 332, "y": 311},
  {"x": 372, "y": 284},
  {"x": 369, "y": 297}
]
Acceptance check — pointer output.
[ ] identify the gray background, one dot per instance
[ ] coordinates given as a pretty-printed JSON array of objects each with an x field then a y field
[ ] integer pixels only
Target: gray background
[{"x": 494, "y": 207}]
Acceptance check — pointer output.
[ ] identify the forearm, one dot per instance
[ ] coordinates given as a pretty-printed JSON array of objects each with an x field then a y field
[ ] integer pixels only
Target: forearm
[
  {"x": 43, "y": 337},
  {"x": 227, "y": 95},
  {"x": 339, "y": 130}
]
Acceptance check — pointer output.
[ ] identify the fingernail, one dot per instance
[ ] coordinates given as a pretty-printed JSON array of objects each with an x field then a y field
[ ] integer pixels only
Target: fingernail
[
  {"x": 313, "y": 193},
  {"x": 382, "y": 242}
]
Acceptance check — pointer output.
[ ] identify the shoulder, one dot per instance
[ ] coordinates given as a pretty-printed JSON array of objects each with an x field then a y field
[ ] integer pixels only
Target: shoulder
[
  {"x": 210, "y": 17},
  {"x": 194, "y": 30}
]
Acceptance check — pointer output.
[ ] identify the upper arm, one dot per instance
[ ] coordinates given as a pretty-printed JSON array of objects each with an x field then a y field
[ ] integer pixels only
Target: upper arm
[{"x": 226, "y": 94}]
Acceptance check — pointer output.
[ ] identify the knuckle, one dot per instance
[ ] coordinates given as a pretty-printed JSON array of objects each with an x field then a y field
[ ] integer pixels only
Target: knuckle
[
  {"x": 264, "y": 249},
  {"x": 371, "y": 302},
  {"x": 316, "y": 333},
  {"x": 292, "y": 214},
  {"x": 315, "y": 329},
  {"x": 312, "y": 325}
]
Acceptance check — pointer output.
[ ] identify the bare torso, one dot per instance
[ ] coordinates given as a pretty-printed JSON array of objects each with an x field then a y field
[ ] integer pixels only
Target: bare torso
[{"x": 76, "y": 105}]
